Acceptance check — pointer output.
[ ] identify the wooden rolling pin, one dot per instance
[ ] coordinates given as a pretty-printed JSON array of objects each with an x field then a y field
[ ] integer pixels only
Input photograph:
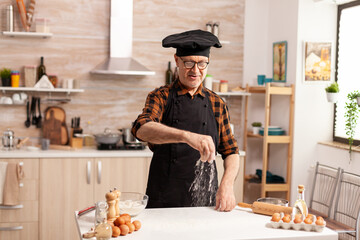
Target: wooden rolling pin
[{"x": 266, "y": 208}]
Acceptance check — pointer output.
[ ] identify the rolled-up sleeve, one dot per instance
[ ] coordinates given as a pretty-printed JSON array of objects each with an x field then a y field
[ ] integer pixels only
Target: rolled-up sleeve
[
  {"x": 152, "y": 112},
  {"x": 228, "y": 144}
]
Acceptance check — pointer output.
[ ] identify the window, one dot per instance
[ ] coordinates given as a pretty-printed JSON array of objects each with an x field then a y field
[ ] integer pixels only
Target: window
[{"x": 347, "y": 65}]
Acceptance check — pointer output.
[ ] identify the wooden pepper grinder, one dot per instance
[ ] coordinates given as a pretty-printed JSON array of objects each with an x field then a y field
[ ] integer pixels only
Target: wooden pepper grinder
[
  {"x": 111, "y": 200},
  {"x": 117, "y": 207}
]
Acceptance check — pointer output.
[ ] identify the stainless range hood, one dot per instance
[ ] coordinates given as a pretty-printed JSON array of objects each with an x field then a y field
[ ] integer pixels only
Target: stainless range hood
[{"x": 121, "y": 61}]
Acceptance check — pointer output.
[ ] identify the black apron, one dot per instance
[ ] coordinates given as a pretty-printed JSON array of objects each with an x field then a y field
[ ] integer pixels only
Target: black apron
[{"x": 172, "y": 168}]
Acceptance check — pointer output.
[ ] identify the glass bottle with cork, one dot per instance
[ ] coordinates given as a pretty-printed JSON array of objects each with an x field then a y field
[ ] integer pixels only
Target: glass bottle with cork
[
  {"x": 103, "y": 230},
  {"x": 300, "y": 206},
  {"x": 41, "y": 69},
  {"x": 169, "y": 74}
]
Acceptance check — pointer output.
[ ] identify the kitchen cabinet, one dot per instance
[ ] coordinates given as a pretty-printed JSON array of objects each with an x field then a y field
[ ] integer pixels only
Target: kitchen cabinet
[
  {"x": 70, "y": 184},
  {"x": 21, "y": 222},
  {"x": 126, "y": 174},
  {"x": 287, "y": 140}
]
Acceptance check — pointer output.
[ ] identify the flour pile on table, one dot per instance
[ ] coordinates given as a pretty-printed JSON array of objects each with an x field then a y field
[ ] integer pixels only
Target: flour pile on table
[{"x": 203, "y": 188}]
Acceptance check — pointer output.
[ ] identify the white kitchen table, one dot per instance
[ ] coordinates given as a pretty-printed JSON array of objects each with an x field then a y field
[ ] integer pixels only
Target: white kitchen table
[{"x": 206, "y": 223}]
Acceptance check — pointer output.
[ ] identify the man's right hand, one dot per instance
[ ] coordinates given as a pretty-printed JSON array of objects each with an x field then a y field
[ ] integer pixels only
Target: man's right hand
[
  {"x": 204, "y": 144},
  {"x": 158, "y": 133}
]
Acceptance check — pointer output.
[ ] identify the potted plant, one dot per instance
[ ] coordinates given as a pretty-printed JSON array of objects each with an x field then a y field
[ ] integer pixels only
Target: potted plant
[
  {"x": 352, "y": 111},
  {"x": 5, "y": 74},
  {"x": 332, "y": 92},
  {"x": 256, "y": 127}
]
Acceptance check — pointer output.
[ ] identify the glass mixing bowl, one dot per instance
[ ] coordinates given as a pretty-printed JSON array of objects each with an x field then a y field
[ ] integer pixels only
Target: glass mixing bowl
[{"x": 132, "y": 203}]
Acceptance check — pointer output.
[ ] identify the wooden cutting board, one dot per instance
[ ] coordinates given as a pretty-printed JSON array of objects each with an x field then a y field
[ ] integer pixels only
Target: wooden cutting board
[{"x": 54, "y": 127}]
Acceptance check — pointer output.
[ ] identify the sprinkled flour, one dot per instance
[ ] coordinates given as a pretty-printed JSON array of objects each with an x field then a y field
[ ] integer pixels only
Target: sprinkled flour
[{"x": 203, "y": 188}]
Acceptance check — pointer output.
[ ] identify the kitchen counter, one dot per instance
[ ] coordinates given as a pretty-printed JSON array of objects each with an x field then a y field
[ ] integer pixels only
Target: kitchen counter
[
  {"x": 79, "y": 153},
  {"x": 206, "y": 223},
  {"x": 76, "y": 153}
]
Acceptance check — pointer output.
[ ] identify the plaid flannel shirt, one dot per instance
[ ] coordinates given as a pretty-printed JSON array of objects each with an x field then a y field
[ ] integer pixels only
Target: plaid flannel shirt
[{"x": 155, "y": 107}]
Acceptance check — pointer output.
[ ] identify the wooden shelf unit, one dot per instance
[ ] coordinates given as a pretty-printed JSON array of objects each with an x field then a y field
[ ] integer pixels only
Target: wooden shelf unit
[{"x": 267, "y": 139}]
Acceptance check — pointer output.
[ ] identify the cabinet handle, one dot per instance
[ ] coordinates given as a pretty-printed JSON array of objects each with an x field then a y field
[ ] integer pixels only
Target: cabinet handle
[
  {"x": 99, "y": 172},
  {"x": 88, "y": 172},
  {"x": 11, "y": 228},
  {"x": 11, "y": 207}
]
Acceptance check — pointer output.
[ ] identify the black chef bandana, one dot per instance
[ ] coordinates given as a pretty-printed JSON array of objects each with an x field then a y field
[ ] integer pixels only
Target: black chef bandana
[{"x": 192, "y": 43}]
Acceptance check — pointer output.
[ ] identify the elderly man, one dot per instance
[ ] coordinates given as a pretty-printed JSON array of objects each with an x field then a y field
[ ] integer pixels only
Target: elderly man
[{"x": 185, "y": 122}]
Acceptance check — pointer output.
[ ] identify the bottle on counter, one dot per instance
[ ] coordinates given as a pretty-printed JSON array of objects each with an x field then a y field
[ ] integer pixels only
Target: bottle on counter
[
  {"x": 300, "y": 206},
  {"x": 41, "y": 69},
  {"x": 169, "y": 74},
  {"x": 103, "y": 230}
]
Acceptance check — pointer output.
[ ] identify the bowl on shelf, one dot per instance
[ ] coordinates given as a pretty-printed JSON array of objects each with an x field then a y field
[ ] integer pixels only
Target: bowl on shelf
[
  {"x": 132, "y": 203},
  {"x": 273, "y": 130}
]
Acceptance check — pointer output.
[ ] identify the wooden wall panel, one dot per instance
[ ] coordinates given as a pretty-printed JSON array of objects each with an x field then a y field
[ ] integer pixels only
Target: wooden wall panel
[{"x": 81, "y": 41}]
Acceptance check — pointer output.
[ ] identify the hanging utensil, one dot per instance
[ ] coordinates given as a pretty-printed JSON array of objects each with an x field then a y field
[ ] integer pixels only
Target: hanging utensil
[
  {"x": 39, "y": 119},
  {"x": 33, "y": 111},
  {"x": 27, "y": 122}
]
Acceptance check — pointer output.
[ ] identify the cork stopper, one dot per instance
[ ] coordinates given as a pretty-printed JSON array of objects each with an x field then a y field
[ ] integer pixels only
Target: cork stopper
[{"x": 301, "y": 188}]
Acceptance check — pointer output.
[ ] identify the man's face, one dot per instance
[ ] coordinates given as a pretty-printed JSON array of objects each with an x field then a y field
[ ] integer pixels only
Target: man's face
[{"x": 191, "y": 78}]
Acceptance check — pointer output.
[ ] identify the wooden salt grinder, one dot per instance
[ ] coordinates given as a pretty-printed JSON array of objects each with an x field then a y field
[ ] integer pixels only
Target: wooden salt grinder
[{"x": 111, "y": 200}]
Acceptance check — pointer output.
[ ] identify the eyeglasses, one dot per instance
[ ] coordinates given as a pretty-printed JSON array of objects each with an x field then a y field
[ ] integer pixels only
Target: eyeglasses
[{"x": 191, "y": 64}]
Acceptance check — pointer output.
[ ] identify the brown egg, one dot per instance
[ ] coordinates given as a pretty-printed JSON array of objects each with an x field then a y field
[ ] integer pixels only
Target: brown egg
[
  {"x": 286, "y": 219},
  {"x": 276, "y": 217},
  {"x": 137, "y": 224},
  {"x": 124, "y": 229},
  {"x": 115, "y": 231},
  {"x": 320, "y": 221},
  {"x": 298, "y": 218},
  {"x": 309, "y": 216},
  {"x": 126, "y": 216},
  {"x": 308, "y": 220},
  {"x": 131, "y": 227},
  {"x": 119, "y": 221}
]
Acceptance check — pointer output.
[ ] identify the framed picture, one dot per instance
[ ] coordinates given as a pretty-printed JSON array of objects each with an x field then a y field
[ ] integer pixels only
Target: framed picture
[
  {"x": 279, "y": 61},
  {"x": 317, "y": 61}
]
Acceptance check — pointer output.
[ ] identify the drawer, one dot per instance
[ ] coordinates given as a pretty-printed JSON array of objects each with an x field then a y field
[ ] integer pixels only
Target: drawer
[
  {"x": 30, "y": 167},
  {"x": 27, "y": 231},
  {"x": 28, "y": 213}
]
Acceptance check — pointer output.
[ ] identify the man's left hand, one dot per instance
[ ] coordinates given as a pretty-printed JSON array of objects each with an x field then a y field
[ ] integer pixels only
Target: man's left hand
[{"x": 225, "y": 198}]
